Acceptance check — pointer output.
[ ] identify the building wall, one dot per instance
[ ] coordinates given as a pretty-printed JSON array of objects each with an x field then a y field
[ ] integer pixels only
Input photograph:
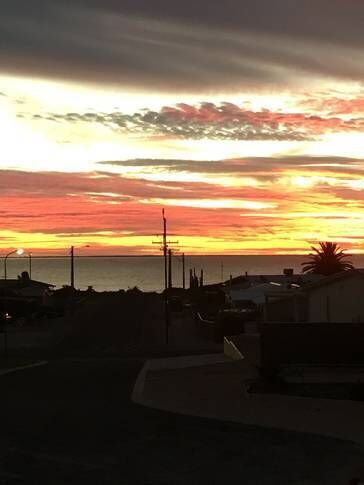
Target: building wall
[
  {"x": 286, "y": 310},
  {"x": 312, "y": 343},
  {"x": 341, "y": 301}
]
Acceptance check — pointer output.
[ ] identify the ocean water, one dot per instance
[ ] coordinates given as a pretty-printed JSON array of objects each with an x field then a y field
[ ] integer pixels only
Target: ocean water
[{"x": 147, "y": 272}]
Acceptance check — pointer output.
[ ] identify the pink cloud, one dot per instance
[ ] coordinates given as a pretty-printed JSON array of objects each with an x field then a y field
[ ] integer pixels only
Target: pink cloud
[{"x": 224, "y": 121}]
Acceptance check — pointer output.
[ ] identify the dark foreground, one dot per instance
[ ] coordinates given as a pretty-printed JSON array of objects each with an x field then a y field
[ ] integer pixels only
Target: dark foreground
[{"x": 72, "y": 422}]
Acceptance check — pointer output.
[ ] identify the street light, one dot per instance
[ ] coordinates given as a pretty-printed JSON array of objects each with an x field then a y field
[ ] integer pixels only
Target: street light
[
  {"x": 6, "y": 316},
  {"x": 30, "y": 264},
  {"x": 19, "y": 252}
]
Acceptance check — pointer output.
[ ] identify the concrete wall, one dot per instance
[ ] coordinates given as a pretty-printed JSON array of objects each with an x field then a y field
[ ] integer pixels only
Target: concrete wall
[
  {"x": 312, "y": 343},
  {"x": 245, "y": 346},
  {"x": 231, "y": 350},
  {"x": 292, "y": 309},
  {"x": 341, "y": 301},
  {"x": 204, "y": 328}
]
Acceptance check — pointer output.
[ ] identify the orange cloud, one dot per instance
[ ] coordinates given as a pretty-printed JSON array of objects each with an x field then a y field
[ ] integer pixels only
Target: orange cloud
[{"x": 289, "y": 208}]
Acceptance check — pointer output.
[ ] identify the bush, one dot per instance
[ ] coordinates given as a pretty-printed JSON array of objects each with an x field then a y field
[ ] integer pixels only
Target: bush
[{"x": 357, "y": 391}]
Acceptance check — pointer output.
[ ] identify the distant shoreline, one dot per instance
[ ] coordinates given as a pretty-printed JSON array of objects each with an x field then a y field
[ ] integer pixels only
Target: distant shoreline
[{"x": 161, "y": 256}]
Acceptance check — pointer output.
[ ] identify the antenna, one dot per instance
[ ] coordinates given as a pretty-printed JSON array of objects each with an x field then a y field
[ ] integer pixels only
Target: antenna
[{"x": 165, "y": 247}]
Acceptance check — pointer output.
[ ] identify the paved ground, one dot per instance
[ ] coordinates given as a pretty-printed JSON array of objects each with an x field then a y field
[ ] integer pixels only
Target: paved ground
[
  {"x": 72, "y": 422},
  {"x": 208, "y": 387}
]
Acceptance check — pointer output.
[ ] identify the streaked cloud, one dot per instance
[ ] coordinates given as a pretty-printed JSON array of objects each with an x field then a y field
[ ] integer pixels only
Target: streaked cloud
[
  {"x": 292, "y": 205},
  {"x": 213, "y": 203},
  {"x": 163, "y": 47}
]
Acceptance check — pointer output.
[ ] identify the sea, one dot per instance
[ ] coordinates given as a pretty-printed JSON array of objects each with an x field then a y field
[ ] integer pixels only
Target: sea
[{"x": 111, "y": 273}]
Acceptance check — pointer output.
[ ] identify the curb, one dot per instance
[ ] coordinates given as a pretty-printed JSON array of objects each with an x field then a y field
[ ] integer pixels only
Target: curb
[
  {"x": 259, "y": 417},
  {"x": 185, "y": 361},
  {"x": 139, "y": 383},
  {"x": 23, "y": 367},
  {"x": 180, "y": 362}
]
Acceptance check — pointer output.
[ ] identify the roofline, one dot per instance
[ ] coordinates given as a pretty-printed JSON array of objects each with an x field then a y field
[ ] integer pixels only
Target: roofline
[
  {"x": 333, "y": 278},
  {"x": 13, "y": 280}
]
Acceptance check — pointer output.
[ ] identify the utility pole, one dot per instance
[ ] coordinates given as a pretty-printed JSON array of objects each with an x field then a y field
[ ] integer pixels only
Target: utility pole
[
  {"x": 167, "y": 277},
  {"x": 30, "y": 265},
  {"x": 72, "y": 268},
  {"x": 170, "y": 279},
  {"x": 183, "y": 272},
  {"x": 165, "y": 250}
]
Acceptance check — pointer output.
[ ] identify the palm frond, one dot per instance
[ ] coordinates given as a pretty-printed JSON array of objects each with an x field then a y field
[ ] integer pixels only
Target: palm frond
[{"x": 327, "y": 259}]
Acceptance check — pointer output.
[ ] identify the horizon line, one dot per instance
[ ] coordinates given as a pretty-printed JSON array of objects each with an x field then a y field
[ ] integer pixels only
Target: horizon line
[{"x": 160, "y": 255}]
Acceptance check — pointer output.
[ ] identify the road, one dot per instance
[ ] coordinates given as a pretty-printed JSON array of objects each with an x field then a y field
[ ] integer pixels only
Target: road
[{"x": 72, "y": 422}]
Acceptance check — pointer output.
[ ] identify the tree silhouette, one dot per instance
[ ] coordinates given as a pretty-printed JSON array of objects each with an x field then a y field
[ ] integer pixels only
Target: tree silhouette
[{"x": 327, "y": 259}]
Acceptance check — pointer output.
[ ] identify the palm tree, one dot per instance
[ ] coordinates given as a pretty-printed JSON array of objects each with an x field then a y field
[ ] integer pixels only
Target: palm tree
[{"x": 327, "y": 259}]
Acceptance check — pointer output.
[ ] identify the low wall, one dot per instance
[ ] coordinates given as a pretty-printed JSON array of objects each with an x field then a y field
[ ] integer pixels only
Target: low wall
[
  {"x": 34, "y": 337},
  {"x": 312, "y": 343},
  {"x": 244, "y": 346},
  {"x": 205, "y": 328},
  {"x": 231, "y": 350}
]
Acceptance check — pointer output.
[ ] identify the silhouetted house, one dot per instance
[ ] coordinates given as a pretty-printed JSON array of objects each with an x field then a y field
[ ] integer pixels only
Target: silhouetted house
[
  {"x": 254, "y": 294},
  {"x": 24, "y": 287},
  {"x": 320, "y": 323},
  {"x": 208, "y": 299},
  {"x": 285, "y": 278},
  {"x": 255, "y": 290},
  {"x": 336, "y": 298}
]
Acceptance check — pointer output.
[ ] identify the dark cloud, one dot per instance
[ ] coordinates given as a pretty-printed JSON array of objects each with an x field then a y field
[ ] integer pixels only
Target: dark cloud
[
  {"x": 249, "y": 166},
  {"x": 190, "y": 45},
  {"x": 225, "y": 121}
]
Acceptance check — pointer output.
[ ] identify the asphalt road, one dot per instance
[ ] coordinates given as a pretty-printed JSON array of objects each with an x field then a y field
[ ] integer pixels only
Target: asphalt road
[{"x": 72, "y": 422}]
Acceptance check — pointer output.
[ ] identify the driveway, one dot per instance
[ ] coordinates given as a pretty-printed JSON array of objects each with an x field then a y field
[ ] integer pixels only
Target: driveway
[{"x": 72, "y": 422}]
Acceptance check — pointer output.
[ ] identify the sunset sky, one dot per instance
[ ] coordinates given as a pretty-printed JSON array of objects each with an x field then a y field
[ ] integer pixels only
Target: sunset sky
[{"x": 243, "y": 118}]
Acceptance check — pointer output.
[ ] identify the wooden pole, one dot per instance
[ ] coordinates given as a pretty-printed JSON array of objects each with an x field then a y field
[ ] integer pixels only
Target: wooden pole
[
  {"x": 183, "y": 272},
  {"x": 72, "y": 268},
  {"x": 165, "y": 248},
  {"x": 166, "y": 306},
  {"x": 170, "y": 280}
]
